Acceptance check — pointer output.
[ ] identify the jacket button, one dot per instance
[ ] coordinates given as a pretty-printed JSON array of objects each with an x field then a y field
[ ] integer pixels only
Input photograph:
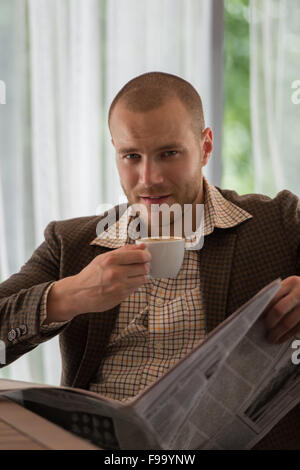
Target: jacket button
[
  {"x": 23, "y": 329},
  {"x": 11, "y": 335},
  {"x": 18, "y": 332}
]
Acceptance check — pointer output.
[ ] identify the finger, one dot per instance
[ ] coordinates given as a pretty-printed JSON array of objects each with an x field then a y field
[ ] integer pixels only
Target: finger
[
  {"x": 287, "y": 328},
  {"x": 132, "y": 256},
  {"x": 133, "y": 270},
  {"x": 285, "y": 288},
  {"x": 138, "y": 270},
  {"x": 279, "y": 311},
  {"x": 133, "y": 246},
  {"x": 291, "y": 334},
  {"x": 133, "y": 283}
]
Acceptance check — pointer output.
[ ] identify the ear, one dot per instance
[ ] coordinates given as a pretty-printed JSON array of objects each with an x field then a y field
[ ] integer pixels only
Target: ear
[{"x": 207, "y": 144}]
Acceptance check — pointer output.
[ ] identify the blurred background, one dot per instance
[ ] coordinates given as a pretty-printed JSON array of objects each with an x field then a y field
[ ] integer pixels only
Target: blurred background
[{"x": 63, "y": 61}]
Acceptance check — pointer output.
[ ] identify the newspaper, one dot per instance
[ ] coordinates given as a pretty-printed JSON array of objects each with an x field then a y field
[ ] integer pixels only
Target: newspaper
[{"x": 227, "y": 394}]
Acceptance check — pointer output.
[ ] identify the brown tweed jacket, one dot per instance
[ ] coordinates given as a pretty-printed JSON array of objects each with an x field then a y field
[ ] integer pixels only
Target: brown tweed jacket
[{"x": 235, "y": 264}]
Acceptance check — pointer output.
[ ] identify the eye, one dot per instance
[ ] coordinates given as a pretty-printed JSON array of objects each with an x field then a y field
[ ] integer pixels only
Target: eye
[
  {"x": 170, "y": 153},
  {"x": 131, "y": 156}
]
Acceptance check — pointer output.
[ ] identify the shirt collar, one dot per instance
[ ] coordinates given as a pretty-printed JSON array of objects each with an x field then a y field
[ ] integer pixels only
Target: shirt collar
[{"x": 218, "y": 213}]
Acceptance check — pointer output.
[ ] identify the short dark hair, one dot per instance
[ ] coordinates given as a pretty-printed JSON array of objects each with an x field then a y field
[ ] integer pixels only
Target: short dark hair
[{"x": 151, "y": 90}]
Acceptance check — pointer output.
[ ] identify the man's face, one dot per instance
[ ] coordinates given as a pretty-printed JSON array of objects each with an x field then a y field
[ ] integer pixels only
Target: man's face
[{"x": 159, "y": 158}]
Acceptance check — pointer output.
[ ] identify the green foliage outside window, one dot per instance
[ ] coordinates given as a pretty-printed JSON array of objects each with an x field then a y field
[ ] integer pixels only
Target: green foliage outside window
[{"x": 237, "y": 152}]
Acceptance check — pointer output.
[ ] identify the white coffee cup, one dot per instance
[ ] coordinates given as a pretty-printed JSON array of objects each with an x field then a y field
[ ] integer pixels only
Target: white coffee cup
[{"x": 167, "y": 255}]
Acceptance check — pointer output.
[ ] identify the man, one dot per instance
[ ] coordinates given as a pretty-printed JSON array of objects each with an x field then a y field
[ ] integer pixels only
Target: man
[{"x": 119, "y": 330}]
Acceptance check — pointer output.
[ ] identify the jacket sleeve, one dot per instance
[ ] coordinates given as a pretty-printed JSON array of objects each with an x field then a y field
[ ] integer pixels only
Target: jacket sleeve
[
  {"x": 290, "y": 216},
  {"x": 21, "y": 296}
]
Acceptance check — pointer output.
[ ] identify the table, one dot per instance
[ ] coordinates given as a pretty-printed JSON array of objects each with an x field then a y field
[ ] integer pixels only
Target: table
[{"x": 20, "y": 429}]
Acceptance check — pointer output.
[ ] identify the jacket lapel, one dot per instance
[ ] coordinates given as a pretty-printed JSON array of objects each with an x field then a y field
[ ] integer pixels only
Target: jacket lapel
[
  {"x": 215, "y": 268},
  {"x": 100, "y": 326}
]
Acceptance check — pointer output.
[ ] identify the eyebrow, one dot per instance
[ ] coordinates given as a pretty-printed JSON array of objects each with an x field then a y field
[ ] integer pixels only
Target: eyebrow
[{"x": 160, "y": 149}]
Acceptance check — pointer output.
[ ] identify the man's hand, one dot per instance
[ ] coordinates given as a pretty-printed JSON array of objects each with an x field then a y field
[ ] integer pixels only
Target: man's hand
[
  {"x": 111, "y": 277},
  {"x": 282, "y": 315},
  {"x": 104, "y": 283}
]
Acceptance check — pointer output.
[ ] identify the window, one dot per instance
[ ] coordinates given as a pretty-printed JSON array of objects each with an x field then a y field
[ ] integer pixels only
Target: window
[{"x": 237, "y": 162}]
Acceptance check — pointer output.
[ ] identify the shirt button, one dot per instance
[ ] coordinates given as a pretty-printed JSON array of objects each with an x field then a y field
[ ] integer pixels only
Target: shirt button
[
  {"x": 158, "y": 346},
  {"x": 11, "y": 335},
  {"x": 160, "y": 301}
]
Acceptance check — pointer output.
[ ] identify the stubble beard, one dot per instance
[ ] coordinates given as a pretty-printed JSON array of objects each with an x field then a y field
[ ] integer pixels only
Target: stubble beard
[{"x": 189, "y": 195}]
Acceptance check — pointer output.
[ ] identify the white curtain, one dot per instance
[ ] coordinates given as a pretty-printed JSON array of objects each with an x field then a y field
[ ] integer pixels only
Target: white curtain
[
  {"x": 51, "y": 166},
  {"x": 180, "y": 37},
  {"x": 275, "y": 83},
  {"x": 63, "y": 63}
]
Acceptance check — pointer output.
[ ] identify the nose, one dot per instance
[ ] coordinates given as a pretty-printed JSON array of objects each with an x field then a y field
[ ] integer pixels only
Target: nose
[{"x": 150, "y": 173}]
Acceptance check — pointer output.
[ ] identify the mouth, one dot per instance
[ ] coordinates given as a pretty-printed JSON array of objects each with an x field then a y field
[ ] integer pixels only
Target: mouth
[{"x": 155, "y": 199}]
